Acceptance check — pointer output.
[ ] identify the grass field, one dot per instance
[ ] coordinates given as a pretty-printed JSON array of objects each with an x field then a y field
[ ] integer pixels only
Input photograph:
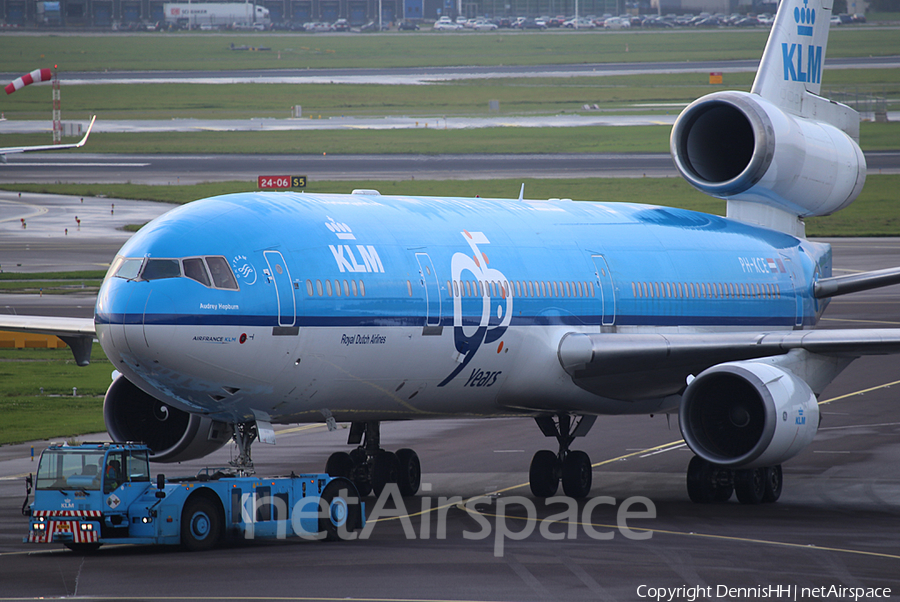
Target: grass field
[
  {"x": 875, "y": 213},
  {"x": 426, "y": 141},
  {"x": 648, "y": 94},
  {"x": 29, "y": 414},
  {"x": 191, "y": 51}
]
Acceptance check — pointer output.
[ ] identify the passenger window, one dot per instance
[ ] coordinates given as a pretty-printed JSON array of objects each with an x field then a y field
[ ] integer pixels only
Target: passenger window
[
  {"x": 309, "y": 288},
  {"x": 195, "y": 270},
  {"x": 158, "y": 269},
  {"x": 221, "y": 273},
  {"x": 353, "y": 285}
]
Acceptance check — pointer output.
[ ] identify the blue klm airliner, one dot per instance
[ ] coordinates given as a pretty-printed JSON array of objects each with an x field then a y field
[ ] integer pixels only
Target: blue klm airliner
[{"x": 233, "y": 313}]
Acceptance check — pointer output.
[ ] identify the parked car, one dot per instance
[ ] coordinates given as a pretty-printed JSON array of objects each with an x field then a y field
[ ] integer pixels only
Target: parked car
[
  {"x": 483, "y": 25},
  {"x": 580, "y": 23},
  {"x": 445, "y": 24},
  {"x": 340, "y": 25},
  {"x": 530, "y": 23},
  {"x": 407, "y": 26}
]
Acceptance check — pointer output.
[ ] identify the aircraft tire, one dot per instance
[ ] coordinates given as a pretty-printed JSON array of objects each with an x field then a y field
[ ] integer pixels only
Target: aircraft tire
[
  {"x": 385, "y": 469},
  {"x": 706, "y": 483},
  {"x": 750, "y": 485},
  {"x": 339, "y": 464},
  {"x": 544, "y": 474},
  {"x": 774, "y": 484},
  {"x": 577, "y": 474},
  {"x": 201, "y": 525},
  {"x": 410, "y": 473}
]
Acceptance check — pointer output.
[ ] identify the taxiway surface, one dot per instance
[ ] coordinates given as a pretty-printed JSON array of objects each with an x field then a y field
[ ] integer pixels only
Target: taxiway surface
[
  {"x": 191, "y": 169},
  {"x": 835, "y": 524}
]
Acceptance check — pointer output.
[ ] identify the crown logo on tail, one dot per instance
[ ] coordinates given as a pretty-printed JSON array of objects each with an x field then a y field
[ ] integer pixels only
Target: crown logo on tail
[{"x": 805, "y": 18}]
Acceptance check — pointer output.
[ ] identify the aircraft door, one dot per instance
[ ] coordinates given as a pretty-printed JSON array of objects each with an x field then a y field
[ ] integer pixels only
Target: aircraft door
[
  {"x": 607, "y": 290},
  {"x": 798, "y": 298},
  {"x": 429, "y": 281},
  {"x": 278, "y": 274}
]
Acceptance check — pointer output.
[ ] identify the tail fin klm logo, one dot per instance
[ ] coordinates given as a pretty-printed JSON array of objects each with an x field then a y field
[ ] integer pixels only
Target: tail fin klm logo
[{"x": 792, "y": 54}]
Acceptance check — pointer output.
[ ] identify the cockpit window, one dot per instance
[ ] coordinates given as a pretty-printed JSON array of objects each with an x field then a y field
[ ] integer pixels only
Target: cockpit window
[
  {"x": 221, "y": 273},
  {"x": 129, "y": 268},
  {"x": 195, "y": 270},
  {"x": 212, "y": 271},
  {"x": 157, "y": 269}
]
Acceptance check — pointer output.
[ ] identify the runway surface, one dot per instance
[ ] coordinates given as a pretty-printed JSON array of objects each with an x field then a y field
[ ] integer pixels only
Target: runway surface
[
  {"x": 835, "y": 524},
  {"x": 191, "y": 169}
]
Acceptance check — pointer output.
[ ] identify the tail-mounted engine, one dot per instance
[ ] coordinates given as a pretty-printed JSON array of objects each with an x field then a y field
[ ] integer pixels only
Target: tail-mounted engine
[
  {"x": 172, "y": 434},
  {"x": 739, "y": 146},
  {"x": 748, "y": 414}
]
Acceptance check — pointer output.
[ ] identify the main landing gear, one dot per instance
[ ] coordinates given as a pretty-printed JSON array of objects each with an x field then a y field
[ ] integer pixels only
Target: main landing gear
[
  {"x": 572, "y": 467},
  {"x": 370, "y": 468},
  {"x": 708, "y": 483}
]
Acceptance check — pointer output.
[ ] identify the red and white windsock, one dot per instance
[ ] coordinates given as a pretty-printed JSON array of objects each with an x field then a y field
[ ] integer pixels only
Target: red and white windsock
[{"x": 38, "y": 75}]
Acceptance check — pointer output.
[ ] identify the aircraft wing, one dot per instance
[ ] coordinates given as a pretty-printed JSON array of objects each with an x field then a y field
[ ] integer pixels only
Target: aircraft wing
[
  {"x": 613, "y": 364},
  {"x": 77, "y": 333},
  {"x": 12, "y": 150}
]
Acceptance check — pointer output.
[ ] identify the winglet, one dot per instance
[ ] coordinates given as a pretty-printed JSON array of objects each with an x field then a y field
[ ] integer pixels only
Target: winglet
[
  {"x": 87, "y": 133},
  {"x": 522, "y": 192}
]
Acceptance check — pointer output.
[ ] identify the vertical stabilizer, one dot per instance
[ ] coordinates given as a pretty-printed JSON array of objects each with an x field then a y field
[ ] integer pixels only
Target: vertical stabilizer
[{"x": 791, "y": 65}]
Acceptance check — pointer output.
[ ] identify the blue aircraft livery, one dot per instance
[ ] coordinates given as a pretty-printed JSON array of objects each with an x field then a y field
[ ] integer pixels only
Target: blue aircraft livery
[{"x": 233, "y": 313}]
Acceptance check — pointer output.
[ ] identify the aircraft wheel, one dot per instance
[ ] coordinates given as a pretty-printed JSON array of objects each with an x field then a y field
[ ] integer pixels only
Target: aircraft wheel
[
  {"x": 200, "y": 525},
  {"x": 707, "y": 483},
  {"x": 774, "y": 484},
  {"x": 410, "y": 474},
  {"x": 750, "y": 485},
  {"x": 577, "y": 474},
  {"x": 339, "y": 464},
  {"x": 340, "y": 509},
  {"x": 544, "y": 474},
  {"x": 385, "y": 469}
]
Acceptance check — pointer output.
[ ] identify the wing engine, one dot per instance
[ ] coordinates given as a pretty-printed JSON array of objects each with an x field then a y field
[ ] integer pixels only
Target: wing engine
[
  {"x": 173, "y": 435},
  {"x": 748, "y": 414}
]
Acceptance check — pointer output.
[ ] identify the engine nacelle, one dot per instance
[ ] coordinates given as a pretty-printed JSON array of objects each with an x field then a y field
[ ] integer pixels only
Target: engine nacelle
[
  {"x": 748, "y": 414},
  {"x": 172, "y": 434},
  {"x": 739, "y": 146}
]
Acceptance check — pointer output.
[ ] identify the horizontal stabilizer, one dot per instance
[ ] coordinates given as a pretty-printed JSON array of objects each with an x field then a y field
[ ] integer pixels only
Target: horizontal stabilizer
[{"x": 854, "y": 283}]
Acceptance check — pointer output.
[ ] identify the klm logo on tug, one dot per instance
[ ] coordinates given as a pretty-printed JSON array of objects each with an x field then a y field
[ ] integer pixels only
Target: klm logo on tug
[{"x": 792, "y": 55}]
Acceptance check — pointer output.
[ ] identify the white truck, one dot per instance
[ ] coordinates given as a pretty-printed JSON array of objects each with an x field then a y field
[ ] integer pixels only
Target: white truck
[{"x": 214, "y": 15}]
